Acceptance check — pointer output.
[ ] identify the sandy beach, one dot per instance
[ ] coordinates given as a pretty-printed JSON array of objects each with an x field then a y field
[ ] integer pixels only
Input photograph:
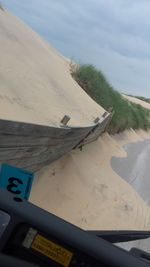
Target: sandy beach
[{"x": 83, "y": 189}]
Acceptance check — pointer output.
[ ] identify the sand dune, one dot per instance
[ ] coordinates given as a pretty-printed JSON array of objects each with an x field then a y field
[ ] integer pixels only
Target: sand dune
[
  {"x": 83, "y": 189},
  {"x": 35, "y": 82},
  {"x": 137, "y": 101}
]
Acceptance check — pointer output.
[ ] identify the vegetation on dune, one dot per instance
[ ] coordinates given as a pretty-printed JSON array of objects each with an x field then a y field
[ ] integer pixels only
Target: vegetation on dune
[
  {"x": 1, "y": 7},
  {"x": 126, "y": 114}
]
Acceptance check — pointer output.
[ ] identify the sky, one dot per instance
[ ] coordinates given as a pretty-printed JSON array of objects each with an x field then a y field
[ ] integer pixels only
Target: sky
[{"x": 113, "y": 35}]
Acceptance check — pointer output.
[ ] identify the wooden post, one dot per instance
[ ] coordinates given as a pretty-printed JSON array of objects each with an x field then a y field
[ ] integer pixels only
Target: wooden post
[
  {"x": 65, "y": 120},
  {"x": 104, "y": 114},
  {"x": 96, "y": 120}
]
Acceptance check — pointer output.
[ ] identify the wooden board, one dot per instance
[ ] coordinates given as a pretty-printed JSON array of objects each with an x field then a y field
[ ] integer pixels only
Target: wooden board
[{"x": 33, "y": 146}]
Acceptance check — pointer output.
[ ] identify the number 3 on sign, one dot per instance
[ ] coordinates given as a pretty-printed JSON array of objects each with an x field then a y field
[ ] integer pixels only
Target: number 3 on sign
[
  {"x": 16, "y": 180},
  {"x": 13, "y": 185}
]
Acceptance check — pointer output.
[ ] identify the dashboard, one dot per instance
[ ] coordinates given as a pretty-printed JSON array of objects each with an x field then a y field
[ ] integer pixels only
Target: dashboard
[{"x": 31, "y": 234}]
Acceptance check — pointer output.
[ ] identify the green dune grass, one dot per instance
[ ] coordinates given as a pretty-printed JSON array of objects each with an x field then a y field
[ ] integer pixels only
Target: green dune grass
[{"x": 126, "y": 114}]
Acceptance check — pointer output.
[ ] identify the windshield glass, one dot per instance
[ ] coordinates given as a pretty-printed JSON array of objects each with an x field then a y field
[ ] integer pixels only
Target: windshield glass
[{"x": 76, "y": 73}]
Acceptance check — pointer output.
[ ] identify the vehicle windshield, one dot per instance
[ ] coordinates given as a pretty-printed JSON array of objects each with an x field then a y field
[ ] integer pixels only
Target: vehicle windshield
[{"x": 75, "y": 109}]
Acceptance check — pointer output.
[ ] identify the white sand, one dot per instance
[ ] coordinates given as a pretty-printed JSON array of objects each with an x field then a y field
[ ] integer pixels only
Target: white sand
[
  {"x": 83, "y": 189},
  {"x": 131, "y": 136},
  {"x": 35, "y": 82},
  {"x": 137, "y": 101}
]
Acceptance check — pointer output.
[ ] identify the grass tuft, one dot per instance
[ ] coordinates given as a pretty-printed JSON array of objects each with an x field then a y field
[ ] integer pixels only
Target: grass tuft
[{"x": 126, "y": 114}]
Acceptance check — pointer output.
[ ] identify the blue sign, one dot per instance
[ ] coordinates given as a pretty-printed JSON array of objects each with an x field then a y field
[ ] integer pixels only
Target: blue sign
[{"x": 16, "y": 180}]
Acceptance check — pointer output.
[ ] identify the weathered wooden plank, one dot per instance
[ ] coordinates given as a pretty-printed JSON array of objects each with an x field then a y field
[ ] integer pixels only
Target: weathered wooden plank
[
  {"x": 95, "y": 132},
  {"x": 41, "y": 164},
  {"x": 25, "y": 152},
  {"x": 21, "y": 128},
  {"x": 55, "y": 156},
  {"x": 18, "y": 141},
  {"x": 15, "y": 127},
  {"x": 31, "y": 146},
  {"x": 49, "y": 155},
  {"x": 99, "y": 129},
  {"x": 19, "y": 152}
]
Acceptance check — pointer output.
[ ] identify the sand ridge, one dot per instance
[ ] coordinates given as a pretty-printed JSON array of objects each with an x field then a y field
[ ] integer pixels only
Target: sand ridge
[
  {"x": 137, "y": 101},
  {"x": 35, "y": 81}
]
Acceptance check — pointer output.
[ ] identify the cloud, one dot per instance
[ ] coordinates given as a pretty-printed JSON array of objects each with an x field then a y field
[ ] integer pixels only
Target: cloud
[{"x": 113, "y": 35}]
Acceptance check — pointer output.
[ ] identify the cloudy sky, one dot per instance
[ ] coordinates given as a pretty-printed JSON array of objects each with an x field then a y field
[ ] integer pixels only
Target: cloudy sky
[{"x": 114, "y": 35}]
